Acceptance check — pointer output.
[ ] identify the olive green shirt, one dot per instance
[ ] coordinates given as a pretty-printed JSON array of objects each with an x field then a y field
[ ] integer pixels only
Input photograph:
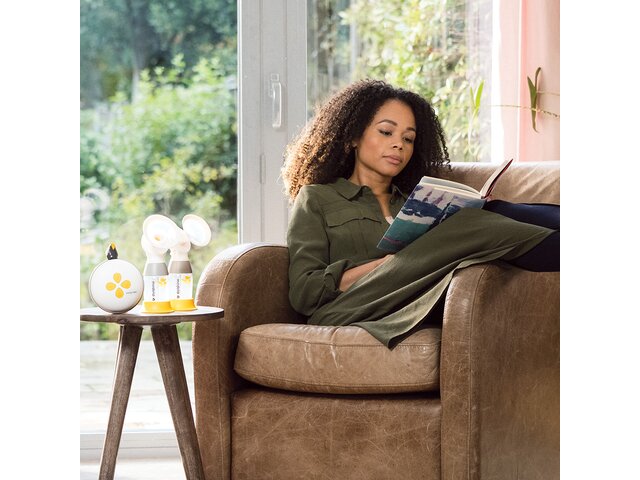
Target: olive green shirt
[{"x": 333, "y": 227}]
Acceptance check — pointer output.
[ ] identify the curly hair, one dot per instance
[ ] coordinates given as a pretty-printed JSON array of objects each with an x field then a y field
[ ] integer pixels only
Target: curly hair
[{"x": 323, "y": 151}]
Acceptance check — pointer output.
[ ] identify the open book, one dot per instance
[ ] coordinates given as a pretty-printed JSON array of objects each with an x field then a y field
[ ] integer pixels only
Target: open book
[{"x": 432, "y": 201}]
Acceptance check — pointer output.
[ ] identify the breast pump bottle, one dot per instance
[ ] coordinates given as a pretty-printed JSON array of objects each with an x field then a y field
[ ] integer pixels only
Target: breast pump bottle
[
  {"x": 158, "y": 234},
  {"x": 194, "y": 231}
]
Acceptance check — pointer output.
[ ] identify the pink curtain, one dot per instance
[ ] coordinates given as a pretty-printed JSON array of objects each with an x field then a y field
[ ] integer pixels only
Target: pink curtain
[{"x": 526, "y": 36}]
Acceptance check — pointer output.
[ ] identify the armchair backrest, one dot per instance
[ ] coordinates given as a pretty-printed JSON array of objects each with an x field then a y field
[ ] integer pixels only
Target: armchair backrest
[{"x": 523, "y": 182}]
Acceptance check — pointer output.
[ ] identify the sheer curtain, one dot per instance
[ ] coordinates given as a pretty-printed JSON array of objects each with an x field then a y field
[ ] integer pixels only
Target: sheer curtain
[{"x": 526, "y": 35}]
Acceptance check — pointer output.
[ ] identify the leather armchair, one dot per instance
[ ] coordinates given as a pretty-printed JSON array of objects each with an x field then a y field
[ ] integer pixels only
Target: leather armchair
[{"x": 473, "y": 396}]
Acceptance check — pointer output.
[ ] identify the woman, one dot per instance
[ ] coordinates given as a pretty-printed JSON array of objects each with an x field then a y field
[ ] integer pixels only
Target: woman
[{"x": 348, "y": 174}]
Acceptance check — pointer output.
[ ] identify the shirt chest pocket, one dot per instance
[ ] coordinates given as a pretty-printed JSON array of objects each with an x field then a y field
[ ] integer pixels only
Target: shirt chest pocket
[{"x": 352, "y": 233}]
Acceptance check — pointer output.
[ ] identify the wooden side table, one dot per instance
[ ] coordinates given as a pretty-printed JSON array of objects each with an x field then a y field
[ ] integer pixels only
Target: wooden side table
[{"x": 165, "y": 339}]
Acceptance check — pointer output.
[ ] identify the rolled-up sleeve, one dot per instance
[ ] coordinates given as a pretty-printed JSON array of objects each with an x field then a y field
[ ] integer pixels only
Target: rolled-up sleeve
[{"x": 313, "y": 279}]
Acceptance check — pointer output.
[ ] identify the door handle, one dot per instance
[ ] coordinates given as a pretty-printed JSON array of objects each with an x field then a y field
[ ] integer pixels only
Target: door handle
[{"x": 275, "y": 93}]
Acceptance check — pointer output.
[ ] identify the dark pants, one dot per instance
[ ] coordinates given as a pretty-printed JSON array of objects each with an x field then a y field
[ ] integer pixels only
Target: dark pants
[{"x": 544, "y": 257}]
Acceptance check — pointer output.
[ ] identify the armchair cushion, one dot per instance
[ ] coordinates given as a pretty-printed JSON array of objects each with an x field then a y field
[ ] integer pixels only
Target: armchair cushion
[{"x": 343, "y": 360}]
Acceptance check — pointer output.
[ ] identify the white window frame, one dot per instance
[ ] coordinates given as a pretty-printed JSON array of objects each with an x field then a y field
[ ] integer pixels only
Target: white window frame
[{"x": 272, "y": 49}]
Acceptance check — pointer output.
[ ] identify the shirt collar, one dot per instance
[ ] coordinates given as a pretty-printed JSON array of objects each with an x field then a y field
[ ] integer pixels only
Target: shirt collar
[
  {"x": 349, "y": 190},
  {"x": 397, "y": 193}
]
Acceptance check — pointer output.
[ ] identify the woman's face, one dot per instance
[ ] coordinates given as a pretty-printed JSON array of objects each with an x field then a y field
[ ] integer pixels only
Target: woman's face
[{"x": 386, "y": 145}]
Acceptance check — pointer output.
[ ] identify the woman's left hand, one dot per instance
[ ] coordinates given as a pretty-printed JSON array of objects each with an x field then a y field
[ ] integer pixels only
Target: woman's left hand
[{"x": 351, "y": 276}]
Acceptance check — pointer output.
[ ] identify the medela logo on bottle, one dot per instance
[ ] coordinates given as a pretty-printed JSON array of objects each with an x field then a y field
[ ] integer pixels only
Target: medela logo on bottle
[{"x": 119, "y": 285}]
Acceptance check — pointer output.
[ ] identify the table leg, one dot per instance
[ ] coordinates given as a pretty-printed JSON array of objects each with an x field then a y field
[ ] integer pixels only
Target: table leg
[
  {"x": 165, "y": 339},
  {"x": 128, "y": 344}
]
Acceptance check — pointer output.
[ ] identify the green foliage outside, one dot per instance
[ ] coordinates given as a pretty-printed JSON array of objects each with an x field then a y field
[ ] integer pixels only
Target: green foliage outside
[
  {"x": 159, "y": 139},
  {"x": 172, "y": 152},
  {"x": 119, "y": 39}
]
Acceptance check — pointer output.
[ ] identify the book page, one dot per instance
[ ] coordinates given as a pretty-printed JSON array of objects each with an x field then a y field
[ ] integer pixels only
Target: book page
[
  {"x": 456, "y": 191},
  {"x": 452, "y": 186}
]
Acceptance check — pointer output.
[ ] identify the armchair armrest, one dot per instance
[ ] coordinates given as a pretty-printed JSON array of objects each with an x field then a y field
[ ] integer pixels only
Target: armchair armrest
[
  {"x": 250, "y": 282},
  {"x": 500, "y": 374}
]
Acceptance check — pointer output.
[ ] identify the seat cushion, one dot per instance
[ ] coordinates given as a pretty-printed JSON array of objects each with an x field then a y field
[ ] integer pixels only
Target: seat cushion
[{"x": 322, "y": 359}]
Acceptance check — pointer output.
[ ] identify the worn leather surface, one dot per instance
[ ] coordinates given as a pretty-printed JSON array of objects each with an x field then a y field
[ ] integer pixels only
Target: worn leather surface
[
  {"x": 282, "y": 436},
  {"x": 251, "y": 283},
  {"x": 323, "y": 359},
  {"x": 500, "y": 375}
]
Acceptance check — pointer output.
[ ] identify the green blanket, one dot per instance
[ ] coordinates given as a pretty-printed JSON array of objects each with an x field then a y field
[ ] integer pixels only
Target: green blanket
[{"x": 395, "y": 298}]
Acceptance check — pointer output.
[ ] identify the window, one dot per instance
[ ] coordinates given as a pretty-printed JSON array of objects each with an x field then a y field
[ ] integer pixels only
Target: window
[{"x": 158, "y": 135}]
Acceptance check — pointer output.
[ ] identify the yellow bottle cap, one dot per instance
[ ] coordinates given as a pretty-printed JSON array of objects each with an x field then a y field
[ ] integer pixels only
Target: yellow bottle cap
[
  {"x": 183, "y": 305},
  {"x": 157, "y": 307}
]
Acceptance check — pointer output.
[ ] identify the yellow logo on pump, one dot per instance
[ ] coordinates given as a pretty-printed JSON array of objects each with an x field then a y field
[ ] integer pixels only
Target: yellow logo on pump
[
  {"x": 186, "y": 279},
  {"x": 117, "y": 277}
]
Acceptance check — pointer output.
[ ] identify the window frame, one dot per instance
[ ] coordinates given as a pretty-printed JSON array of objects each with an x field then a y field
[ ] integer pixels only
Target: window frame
[{"x": 272, "y": 49}]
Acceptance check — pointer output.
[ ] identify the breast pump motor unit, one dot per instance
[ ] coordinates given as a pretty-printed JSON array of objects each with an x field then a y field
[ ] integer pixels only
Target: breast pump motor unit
[
  {"x": 115, "y": 285},
  {"x": 170, "y": 289}
]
